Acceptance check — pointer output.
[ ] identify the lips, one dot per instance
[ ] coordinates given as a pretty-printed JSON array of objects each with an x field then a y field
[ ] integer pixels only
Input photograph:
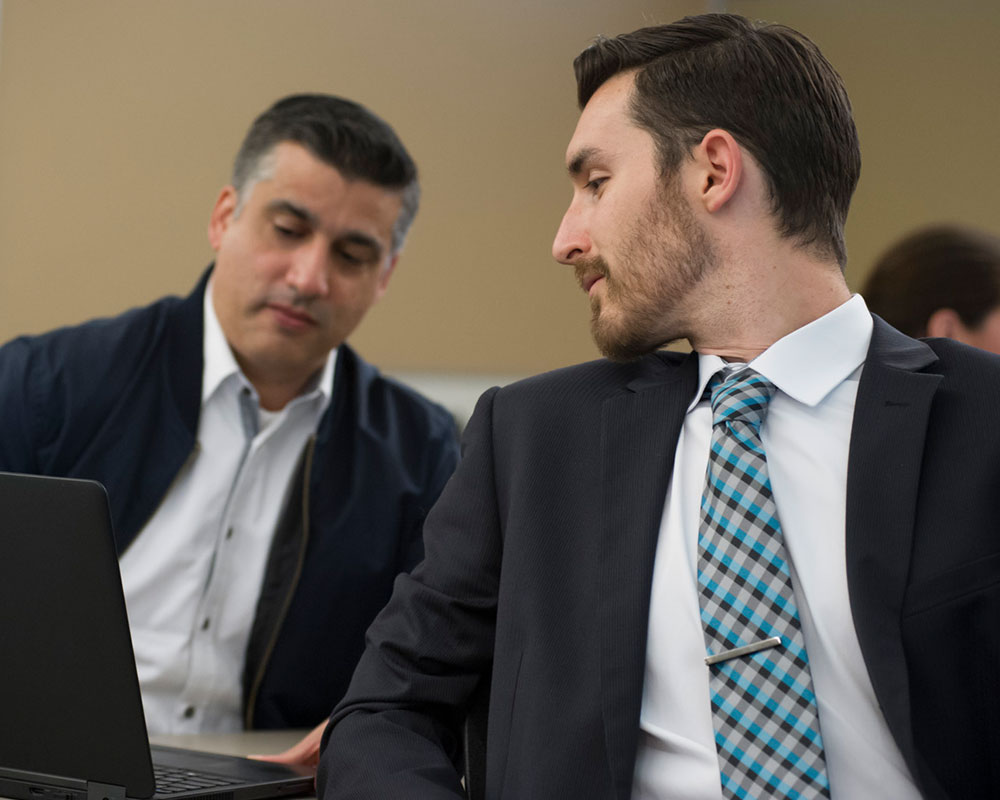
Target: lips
[
  {"x": 291, "y": 316},
  {"x": 589, "y": 272}
]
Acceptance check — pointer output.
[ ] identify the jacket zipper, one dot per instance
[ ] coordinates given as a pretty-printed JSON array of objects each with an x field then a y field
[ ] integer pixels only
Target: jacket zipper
[{"x": 293, "y": 585}]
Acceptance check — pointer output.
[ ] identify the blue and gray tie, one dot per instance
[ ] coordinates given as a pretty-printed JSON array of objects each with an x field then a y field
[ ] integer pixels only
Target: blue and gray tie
[{"x": 766, "y": 723}]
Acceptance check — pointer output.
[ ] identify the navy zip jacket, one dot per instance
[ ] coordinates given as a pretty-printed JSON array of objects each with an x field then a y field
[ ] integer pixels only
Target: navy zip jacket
[{"x": 117, "y": 400}]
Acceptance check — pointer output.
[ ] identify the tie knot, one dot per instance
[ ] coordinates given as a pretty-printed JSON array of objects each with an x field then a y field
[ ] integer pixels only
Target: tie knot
[{"x": 740, "y": 397}]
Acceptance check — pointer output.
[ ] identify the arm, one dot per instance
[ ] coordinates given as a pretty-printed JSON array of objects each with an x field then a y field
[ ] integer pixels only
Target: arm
[
  {"x": 397, "y": 731},
  {"x": 18, "y": 450},
  {"x": 441, "y": 461}
]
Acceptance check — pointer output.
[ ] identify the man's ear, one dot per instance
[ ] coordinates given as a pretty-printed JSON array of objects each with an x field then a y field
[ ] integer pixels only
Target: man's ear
[
  {"x": 946, "y": 323},
  {"x": 222, "y": 215},
  {"x": 719, "y": 162}
]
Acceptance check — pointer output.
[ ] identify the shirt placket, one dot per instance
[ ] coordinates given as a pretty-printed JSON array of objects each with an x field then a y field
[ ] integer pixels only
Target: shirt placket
[{"x": 199, "y": 702}]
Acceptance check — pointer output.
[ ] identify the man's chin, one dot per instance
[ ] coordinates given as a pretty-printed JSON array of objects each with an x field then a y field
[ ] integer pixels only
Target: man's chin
[
  {"x": 620, "y": 349},
  {"x": 623, "y": 346}
]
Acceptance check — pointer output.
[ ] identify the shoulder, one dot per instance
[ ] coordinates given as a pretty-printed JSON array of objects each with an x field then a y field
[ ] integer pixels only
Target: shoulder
[
  {"x": 570, "y": 403},
  {"x": 70, "y": 379},
  {"x": 593, "y": 381},
  {"x": 961, "y": 358},
  {"x": 107, "y": 340},
  {"x": 966, "y": 371},
  {"x": 386, "y": 406}
]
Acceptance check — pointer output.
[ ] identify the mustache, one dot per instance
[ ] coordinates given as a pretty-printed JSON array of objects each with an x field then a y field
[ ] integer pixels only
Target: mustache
[
  {"x": 292, "y": 298},
  {"x": 586, "y": 268}
]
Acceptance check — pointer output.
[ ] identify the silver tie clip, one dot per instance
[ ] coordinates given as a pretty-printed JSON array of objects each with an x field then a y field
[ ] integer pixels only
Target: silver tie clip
[{"x": 774, "y": 641}]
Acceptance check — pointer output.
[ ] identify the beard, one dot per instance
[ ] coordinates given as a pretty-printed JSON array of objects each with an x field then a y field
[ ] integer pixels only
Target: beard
[{"x": 664, "y": 255}]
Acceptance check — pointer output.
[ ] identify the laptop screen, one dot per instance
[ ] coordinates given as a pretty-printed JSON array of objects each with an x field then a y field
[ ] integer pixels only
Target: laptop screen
[{"x": 68, "y": 686}]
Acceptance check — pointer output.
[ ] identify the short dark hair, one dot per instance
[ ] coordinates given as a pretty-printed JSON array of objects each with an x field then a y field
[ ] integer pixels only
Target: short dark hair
[
  {"x": 941, "y": 266},
  {"x": 341, "y": 133},
  {"x": 767, "y": 85}
]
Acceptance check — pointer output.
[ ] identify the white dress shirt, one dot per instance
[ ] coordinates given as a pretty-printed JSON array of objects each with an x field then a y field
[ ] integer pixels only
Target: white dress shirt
[
  {"x": 806, "y": 436},
  {"x": 193, "y": 575}
]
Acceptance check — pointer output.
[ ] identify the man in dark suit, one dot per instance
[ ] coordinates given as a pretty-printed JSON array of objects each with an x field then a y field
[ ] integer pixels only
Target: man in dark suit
[
  {"x": 266, "y": 483},
  {"x": 768, "y": 568}
]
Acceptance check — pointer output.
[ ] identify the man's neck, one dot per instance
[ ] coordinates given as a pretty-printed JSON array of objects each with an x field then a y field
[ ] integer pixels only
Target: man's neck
[
  {"x": 758, "y": 304},
  {"x": 276, "y": 392},
  {"x": 275, "y": 398}
]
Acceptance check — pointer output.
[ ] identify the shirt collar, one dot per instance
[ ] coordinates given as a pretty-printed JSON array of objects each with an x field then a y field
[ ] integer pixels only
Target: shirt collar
[
  {"x": 810, "y": 362},
  {"x": 220, "y": 363}
]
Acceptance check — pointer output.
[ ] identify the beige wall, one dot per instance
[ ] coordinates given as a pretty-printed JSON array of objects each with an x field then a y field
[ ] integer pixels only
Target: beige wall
[
  {"x": 924, "y": 79},
  {"x": 119, "y": 120}
]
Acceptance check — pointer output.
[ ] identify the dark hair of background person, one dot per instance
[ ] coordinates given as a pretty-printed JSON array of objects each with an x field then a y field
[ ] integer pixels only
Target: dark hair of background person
[
  {"x": 943, "y": 266},
  {"x": 767, "y": 85},
  {"x": 341, "y": 133}
]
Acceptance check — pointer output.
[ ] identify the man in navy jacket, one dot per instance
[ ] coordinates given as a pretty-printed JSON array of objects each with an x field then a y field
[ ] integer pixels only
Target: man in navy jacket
[{"x": 342, "y": 462}]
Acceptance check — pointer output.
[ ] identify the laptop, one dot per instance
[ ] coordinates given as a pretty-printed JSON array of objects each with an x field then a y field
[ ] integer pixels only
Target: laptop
[{"x": 71, "y": 719}]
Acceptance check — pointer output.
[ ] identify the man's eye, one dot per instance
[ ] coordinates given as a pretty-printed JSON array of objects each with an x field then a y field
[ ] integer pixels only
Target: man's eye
[
  {"x": 595, "y": 184},
  {"x": 287, "y": 233},
  {"x": 350, "y": 258}
]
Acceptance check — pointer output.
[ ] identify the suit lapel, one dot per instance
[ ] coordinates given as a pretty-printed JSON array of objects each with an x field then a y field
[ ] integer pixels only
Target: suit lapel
[
  {"x": 886, "y": 452},
  {"x": 639, "y": 430}
]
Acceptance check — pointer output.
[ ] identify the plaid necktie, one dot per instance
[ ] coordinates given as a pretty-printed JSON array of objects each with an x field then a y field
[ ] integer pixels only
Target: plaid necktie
[{"x": 763, "y": 705}]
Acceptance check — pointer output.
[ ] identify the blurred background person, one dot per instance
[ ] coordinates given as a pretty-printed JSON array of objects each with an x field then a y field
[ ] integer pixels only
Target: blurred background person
[{"x": 942, "y": 280}]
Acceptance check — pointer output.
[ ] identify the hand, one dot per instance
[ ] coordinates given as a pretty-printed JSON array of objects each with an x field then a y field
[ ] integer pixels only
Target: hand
[{"x": 303, "y": 753}]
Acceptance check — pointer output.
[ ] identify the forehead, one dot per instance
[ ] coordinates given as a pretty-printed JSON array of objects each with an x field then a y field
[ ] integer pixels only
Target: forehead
[
  {"x": 606, "y": 130},
  {"x": 335, "y": 203}
]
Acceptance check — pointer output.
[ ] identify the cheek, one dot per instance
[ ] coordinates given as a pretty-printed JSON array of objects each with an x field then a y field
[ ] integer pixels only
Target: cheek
[
  {"x": 349, "y": 298},
  {"x": 243, "y": 260},
  {"x": 265, "y": 266}
]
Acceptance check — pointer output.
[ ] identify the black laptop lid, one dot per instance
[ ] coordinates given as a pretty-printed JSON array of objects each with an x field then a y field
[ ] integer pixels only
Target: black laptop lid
[{"x": 69, "y": 709}]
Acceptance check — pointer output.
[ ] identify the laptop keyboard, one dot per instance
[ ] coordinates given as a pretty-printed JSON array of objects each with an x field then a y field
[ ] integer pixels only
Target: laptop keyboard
[{"x": 172, "y": 780}]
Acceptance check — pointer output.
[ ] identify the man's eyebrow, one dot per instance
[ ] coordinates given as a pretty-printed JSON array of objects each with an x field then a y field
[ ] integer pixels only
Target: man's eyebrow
[
  {"x": 288, "y": 207},
  {"x": 579, "y": 161}
]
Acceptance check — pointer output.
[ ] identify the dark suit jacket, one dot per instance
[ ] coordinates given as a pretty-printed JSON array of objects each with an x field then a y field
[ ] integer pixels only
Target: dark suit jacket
[{"x": 539, "y": 559}]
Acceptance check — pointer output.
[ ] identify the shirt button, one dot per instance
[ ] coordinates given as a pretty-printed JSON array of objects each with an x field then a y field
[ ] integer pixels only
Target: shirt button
[
  {"x": 205, "y": 624},
  {"x": 229, "y": 533},
  {"x": 189, "y": 712}
]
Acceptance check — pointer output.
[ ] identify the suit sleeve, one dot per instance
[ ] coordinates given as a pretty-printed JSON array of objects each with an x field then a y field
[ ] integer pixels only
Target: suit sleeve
[
  {"x": 396, "y": 733},
  {"x": 441, "y": 465}
]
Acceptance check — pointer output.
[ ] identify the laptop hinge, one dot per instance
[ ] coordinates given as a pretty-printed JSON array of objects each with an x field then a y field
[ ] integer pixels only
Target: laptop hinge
[{"x": 104, "y": 791}]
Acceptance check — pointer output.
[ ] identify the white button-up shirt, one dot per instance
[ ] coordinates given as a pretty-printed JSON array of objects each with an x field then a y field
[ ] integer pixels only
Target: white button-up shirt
[{"x": 193, "y": 575}]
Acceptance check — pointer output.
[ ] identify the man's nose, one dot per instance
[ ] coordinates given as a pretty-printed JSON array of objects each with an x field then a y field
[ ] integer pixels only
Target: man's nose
[
  {"x": 309, "y": 272},
  {"x": 571, "y": 239}
]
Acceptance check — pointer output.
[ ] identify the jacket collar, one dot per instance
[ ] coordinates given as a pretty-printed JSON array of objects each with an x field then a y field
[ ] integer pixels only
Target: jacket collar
[
  {"x": 639, "y": 431},
  {"x": 184, "y": 363},
  {"x": 891, "y": 416}
]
